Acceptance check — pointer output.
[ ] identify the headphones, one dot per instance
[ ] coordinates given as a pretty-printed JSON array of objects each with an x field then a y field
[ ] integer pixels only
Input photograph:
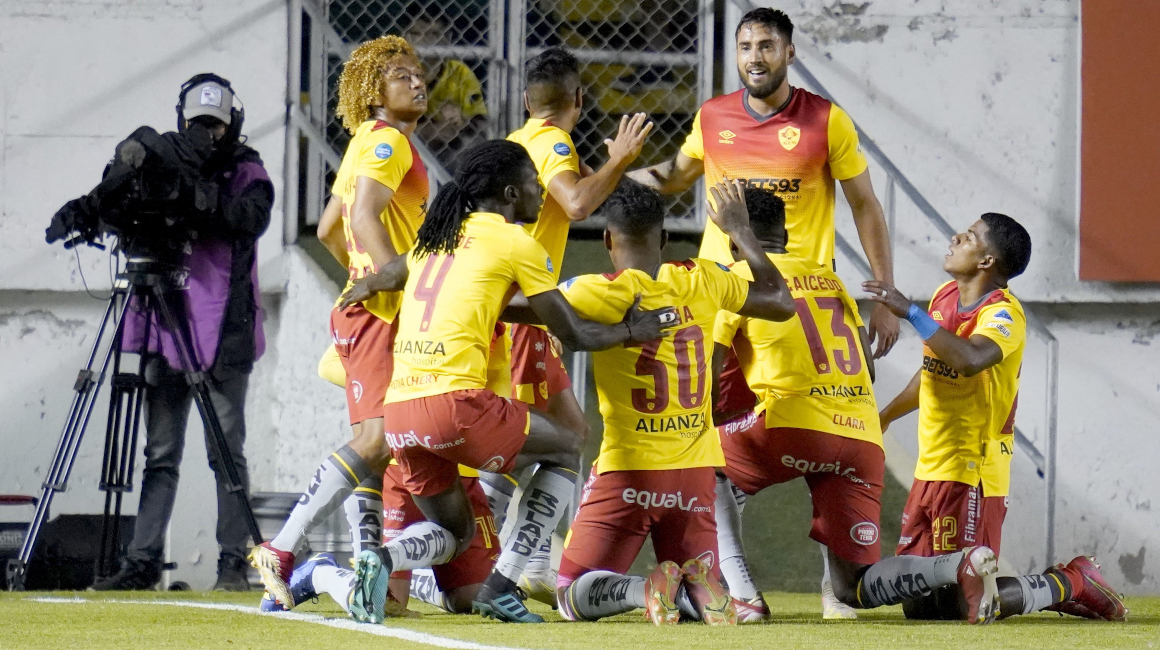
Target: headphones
[{"x": 237, "y": 113}]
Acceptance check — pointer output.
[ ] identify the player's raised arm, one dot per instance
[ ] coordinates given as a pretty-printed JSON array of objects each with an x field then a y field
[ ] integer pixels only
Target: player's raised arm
[
  {"x": 969, "y": 356},
  {"x": 577, "y": 333},
  {"x": 769, "y": 297},
  {"x": 580, "y": 195}
]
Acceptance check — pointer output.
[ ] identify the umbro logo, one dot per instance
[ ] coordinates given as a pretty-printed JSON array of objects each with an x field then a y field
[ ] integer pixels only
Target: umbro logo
[
  {"x": 727, "y": 136},
  {"x": 936, "y": 314}
]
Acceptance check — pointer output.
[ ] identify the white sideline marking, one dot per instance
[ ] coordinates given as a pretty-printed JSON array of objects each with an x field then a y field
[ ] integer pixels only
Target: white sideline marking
[{"x": 339, "y": 623}]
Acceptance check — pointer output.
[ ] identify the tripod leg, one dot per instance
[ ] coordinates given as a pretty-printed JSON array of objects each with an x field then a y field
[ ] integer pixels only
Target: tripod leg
[
  {"x": 86, "y": 388},
  {"x": 201, "y": 395}
]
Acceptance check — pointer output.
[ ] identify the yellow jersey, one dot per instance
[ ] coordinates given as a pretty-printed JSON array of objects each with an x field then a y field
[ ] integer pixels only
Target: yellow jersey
[
  {"x": 380, "y": 152},
  {"x": 808, "y": 372},
  {"x": 655, "y": 397},
  {"x": 457, "y": 85},
  {"x": 552, "y": 151},
  {"x": 797, "y": 152},
  {"x": 445, "y": 328},
  {"x": 966, "y": 425}
]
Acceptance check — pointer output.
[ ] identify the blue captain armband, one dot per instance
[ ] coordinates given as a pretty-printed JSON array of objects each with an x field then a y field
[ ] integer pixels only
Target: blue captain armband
[{"x": 923, "y": 323}]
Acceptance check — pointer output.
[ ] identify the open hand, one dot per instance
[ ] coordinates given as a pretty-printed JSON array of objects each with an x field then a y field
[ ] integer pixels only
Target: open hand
[
  {"x": 892, "y": 305},
  {"x": 630, "y": 138},
  {"x": 359, "y": 291},
  {"x": 727, "y": 207},
  {"x": 644, "y": 326}
]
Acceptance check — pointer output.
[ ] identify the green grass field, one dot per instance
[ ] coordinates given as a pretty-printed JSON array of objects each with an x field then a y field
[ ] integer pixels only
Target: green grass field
[{"x": 199, "y": 620}]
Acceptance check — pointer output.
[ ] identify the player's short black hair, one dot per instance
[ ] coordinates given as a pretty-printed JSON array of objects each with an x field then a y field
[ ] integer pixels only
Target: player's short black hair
[
  {"x": 634, "y": 210},
  {"x": 552, "y": 78},
  {"x": 1010, "y": 243},
  {"x": 766, "y": 213},
  {"x": 775, "y": 19}
]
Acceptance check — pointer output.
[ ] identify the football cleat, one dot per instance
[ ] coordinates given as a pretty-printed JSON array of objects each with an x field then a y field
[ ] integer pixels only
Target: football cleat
[
  {"x": 301, "y": 583},
  {"x": 708, "y": 595},
  {"x": 507, "y": 606},
  {"x": 976, "y": 575},
  {"x": 660, "y": 594},
  {"x": 753, "y": 610},
  {"x": 1095, "y": 599},
  {"x": 274, "y": 569},
  {"x": 368, "y": 599},
  {"x": 540, "y": 587},
  {"x": 834, "y": 609}
]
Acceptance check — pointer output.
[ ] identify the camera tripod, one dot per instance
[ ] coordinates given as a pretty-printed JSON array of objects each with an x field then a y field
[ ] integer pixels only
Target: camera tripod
[{"x": 151, "y": 283}]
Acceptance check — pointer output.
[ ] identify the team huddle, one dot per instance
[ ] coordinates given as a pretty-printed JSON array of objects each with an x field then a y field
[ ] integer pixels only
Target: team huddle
[{"x": 719, "y": 376}]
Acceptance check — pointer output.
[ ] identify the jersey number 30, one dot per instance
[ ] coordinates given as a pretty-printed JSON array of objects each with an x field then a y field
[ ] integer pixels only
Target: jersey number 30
[{"x": 648, "y": 365}]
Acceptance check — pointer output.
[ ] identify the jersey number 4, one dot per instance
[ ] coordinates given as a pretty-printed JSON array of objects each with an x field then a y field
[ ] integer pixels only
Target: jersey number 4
[
  {"x": 648, "y": 365},
  {"x": 428, "y": 290},
  {"x": 848, "y": 361}
]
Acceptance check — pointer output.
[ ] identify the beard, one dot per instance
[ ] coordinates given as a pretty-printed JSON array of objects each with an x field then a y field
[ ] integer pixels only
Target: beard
[{"x": 761, "y": 91}]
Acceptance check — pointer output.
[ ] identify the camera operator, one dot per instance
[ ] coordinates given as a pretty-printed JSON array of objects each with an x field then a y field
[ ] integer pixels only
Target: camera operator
[{"x": 219, "y": 303}]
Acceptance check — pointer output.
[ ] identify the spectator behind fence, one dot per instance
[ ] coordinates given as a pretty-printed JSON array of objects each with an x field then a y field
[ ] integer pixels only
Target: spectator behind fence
[{"x": 456, "y": 112}]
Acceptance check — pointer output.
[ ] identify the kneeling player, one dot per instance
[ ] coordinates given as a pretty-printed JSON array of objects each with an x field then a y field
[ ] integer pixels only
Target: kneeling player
[
  {"x": 965, "y": 393},
  {"x": 813, "y": 379},
  {"x": 439, "y": 412},
  {"x": 655, "y": 473}
]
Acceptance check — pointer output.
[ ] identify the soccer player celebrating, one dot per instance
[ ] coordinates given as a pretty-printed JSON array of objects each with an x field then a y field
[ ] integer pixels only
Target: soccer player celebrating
[
  {"x": 788, "y": 140},
  {"x": 655, "y": 471},
  {"x": 379, "y": 199},
  {"x": 813, "y": 377},
  {"x": 554, "y": 99},
  {"x": 438, "y": 412},
  {"x": 965, "y": 393}
]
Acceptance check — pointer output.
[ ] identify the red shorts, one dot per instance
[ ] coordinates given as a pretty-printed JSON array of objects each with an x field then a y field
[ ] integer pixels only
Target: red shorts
[
  {"x": 735, "y": 395},
  {"x": 364, "y": 343},
  {"x": 432, "y": 436},
  {"x": 619, "y": 509},
  {"x": 844, "y": 474},
  {"x": 947, "y": 516},
  {"x": 537, "y": 371},
  {"x": 468, "y": 568}
]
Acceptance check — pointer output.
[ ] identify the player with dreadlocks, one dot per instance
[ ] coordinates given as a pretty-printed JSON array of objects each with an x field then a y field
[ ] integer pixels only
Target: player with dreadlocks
[
  {"x": 438, "y": 411},
  {"x": 377, "y": 203}
]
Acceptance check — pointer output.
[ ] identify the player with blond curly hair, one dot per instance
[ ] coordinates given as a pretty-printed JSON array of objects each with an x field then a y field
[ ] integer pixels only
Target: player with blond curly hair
[{"x": 378, "y": 201}]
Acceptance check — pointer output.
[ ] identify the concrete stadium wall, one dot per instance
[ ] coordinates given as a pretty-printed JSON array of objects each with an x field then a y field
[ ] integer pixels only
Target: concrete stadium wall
[{"x": 976, "y": 103}]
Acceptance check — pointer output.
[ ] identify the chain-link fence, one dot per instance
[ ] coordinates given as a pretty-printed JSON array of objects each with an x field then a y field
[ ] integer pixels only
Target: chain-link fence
[{"x": 635, "y": 57}]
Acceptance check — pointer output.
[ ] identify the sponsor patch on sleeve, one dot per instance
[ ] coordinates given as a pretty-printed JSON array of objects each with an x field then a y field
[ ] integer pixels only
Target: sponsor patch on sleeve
[
  {"x": 1001, "y": 328},
  {"x": 567, "y": 284},
  {"x": 562, "y": 149},
  {"x": 1003, "y": 314},
  {"x": 384, "y": 151},
  {"x": 723, "y": 267}
]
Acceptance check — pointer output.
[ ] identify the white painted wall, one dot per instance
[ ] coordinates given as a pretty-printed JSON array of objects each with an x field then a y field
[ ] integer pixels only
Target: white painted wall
[
  {"x": 977, "y": 103},
  {"x": 76, "y": 77},
  {"x": 974, "y": 101}
]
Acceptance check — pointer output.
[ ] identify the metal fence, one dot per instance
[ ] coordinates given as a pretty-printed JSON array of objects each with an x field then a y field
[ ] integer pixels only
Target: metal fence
[{"x": 634, "y": 57}]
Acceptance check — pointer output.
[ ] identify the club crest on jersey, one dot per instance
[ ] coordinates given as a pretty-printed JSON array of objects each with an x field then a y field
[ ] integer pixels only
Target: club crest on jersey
[
  {"x": 383, "y": 151},
  {"x": 727, "y": 136},
  {"x": 865, "y": 533},
  {"x": 788, "y": 137},
  {"x": 562, "y": 149}
]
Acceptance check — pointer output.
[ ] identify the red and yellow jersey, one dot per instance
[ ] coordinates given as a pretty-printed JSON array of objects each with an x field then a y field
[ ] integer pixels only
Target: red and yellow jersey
[
  {"x": 380, "y": 152},
  {"x": 966, "y": 425},
  {"x": 552, "y": 152},
  {"x": 451, "y": 303},
  {"x": 499, "y": 374},
  {"x": 798, "y": 153},
  {"x": 809, "y": 372},
  {"x": 655, "y": 397},
  {"x": 457, "y": 85}
]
